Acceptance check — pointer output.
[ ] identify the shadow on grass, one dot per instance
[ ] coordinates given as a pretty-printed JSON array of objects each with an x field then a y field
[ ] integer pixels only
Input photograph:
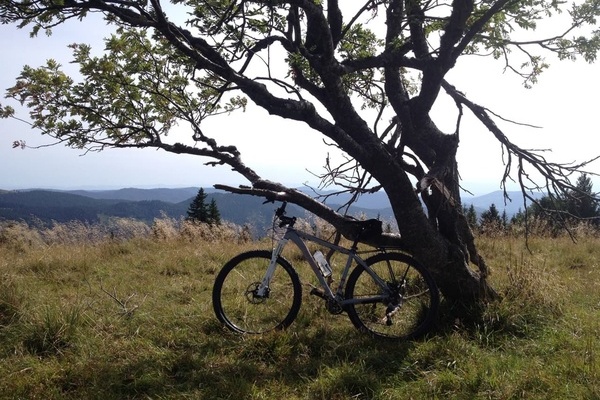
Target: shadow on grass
[
  {"x": 311, "y": 360},
  {"x": 306, "y": 361},
  {"x": 309, "y": 364},
  {"x": 339, "y": 362}
]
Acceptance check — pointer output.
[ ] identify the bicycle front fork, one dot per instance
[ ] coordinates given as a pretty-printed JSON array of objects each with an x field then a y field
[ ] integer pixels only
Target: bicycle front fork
[{"x": 262, "y": 290}]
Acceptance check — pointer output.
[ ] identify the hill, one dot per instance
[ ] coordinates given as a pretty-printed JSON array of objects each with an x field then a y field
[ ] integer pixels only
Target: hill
[
  {"x": 371, "y": 204},
  {"x": 175, "y": 195},
  {"x": 147, "y": 204},
  {"x": 48, "y": 206}
]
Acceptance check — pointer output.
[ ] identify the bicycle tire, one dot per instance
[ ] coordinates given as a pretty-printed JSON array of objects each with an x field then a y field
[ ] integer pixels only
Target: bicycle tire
[
  {"x": 412, "y": 298},
  {"x": 236, "y": 305}
]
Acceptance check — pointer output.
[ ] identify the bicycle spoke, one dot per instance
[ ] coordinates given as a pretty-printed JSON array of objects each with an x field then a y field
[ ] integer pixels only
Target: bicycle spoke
[
  {"x": 235, "y": 295},
  {"x": 408, "y": 302}
]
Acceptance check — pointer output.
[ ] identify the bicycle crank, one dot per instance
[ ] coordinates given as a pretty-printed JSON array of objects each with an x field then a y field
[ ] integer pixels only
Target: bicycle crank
[{"x": 330, "y": 304}]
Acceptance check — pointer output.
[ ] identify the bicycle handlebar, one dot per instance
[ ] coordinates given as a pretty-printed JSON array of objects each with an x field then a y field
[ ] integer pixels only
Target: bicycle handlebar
[
  {"x": 371, "y": 227},
  {"x": 280, "y": 213}
]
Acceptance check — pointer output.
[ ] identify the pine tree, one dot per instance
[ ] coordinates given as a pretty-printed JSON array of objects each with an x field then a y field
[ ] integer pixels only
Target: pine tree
[
  {"x": 578, "y": 203},
  {"x": 581, "y": 202},
  {"x": 198, "y": 210},
  {"x": 471, "y": 216},
  {"x": 214, "y": 216},
  {"x": 518, "y": 218},
  {"x": 491, "y": 217}
]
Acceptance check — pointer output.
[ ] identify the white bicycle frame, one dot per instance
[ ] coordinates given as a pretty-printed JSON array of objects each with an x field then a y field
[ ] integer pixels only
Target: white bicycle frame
[{"x": 298, "y": 238}]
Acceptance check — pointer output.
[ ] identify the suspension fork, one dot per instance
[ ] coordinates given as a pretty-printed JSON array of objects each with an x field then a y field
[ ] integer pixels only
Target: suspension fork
[{"x": 263, "y": 289}]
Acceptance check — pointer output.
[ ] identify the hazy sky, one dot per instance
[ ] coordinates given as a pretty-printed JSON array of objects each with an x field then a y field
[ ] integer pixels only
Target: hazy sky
[{"x": 563, "y": 103}]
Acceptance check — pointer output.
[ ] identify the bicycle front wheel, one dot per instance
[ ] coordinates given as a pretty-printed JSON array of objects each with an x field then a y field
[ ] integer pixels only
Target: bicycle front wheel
[
  {"x": 238, "y": 305},
  {"x": 403, "y": 308}
]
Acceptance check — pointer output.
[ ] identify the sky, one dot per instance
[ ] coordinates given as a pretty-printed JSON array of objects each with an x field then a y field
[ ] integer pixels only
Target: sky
[{"x": 562, "y": 104}]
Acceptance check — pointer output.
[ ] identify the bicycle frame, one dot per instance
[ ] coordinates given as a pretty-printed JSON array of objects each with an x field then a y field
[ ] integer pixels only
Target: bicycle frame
[
  {"x": 388, "y": 294},
  {"x": 298, "y": 238}
]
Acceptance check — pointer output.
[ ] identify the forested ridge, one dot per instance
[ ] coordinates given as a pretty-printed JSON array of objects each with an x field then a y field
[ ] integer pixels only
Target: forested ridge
[
  {"x": 147, "y": 204},
  {"x": 47, "y": 206}
]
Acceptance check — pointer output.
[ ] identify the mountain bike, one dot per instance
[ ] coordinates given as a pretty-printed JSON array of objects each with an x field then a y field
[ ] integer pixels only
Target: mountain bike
[{"x": 387, "y": 295}]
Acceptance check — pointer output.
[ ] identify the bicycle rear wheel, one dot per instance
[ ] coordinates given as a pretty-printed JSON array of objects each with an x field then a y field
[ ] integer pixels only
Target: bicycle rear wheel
[
  {"x": 404, "y": 309},
  {"x": 237, "y": 304}
]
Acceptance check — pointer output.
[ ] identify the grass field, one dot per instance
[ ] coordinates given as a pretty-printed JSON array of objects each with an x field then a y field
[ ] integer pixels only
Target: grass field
[{"x": 101, "y": 318}]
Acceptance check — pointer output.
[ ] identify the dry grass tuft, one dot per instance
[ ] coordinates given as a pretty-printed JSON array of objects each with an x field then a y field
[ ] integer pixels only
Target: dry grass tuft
[
  {"x": 19, "y": 236},
  {"x": 11, "y": 301}
]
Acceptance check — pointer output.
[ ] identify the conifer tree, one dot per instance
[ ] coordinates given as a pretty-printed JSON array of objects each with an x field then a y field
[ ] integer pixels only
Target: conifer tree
[
  {"x": 581, "y": 202},
  {"x": 198, "y": 210},
  {"x": 491, "y": 217},
  {"x": 214, "y": 216},
  {"x": 471, "y": 216}
]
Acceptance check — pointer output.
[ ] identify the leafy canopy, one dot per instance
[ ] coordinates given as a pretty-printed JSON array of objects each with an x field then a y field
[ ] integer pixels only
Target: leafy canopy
[{"x": 364, "y": 74}]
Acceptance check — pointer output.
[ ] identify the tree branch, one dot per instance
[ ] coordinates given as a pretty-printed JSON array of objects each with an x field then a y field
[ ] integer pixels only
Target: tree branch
[{"x": 349, "y": 227}]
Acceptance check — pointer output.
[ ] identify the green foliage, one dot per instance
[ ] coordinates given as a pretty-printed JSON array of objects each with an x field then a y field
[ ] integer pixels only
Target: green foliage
[
  {"x": 576, "y": 211},
  {"x": 135, "y": 92},
  {"x": 471, "y": 216},
  {"x": 581, "y": 201},
  {"x": 214, "y": 216},
  {"x": 200, "y": 211},
  {"x": 491, "y": 217},
  {"x": 577, "y": 204},
  {"x": 142, "y": 84}
]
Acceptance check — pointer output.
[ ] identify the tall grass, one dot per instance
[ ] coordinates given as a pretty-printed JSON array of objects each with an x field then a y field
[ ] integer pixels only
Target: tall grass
[{"x": 96, "y": 312}]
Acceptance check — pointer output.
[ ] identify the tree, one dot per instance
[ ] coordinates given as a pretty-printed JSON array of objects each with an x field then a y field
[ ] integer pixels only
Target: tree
[
  {"x": 471, "y": 216},
  {"x": 518, "y": 218},
  {"x": 491, "y": 218},
  {"x": 581, "y": 201},
  {"x": 363, "y": 74},
  {"x": 577, "y": 203},
  {"x": 198, "y": 209},
  {"x": 214, "y": 216}
]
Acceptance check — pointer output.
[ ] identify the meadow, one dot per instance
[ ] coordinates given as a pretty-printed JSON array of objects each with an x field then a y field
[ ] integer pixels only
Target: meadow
[{"x": 124, "y": 312}]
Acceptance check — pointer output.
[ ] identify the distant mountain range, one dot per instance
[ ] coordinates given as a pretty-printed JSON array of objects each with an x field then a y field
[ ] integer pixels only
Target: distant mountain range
[{"x": 148, "y": 204}]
